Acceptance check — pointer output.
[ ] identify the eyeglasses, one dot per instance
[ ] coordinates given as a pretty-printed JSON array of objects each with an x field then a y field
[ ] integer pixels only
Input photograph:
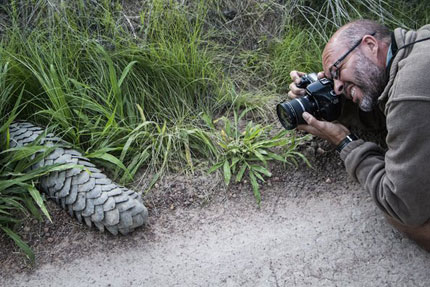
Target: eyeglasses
[{"x": 335, "y": 73}]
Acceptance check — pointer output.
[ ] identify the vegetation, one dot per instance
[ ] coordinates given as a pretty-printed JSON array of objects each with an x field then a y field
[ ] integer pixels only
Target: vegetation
[
  {"x": 136, "y": 86},
  {"x": 250, "y": 150}
]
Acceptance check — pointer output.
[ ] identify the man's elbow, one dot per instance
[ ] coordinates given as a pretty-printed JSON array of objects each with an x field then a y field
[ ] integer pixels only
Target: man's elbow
[{"x": 412, "y": 213}]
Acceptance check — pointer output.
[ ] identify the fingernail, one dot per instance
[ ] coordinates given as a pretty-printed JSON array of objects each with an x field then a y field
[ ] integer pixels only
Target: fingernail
[{"x": 306, "y": 116}]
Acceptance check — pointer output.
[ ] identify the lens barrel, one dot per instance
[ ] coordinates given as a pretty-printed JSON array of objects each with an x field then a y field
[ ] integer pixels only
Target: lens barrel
[
  {"x": 320, "y": 101},
  {"x": 290, "y": 113}
]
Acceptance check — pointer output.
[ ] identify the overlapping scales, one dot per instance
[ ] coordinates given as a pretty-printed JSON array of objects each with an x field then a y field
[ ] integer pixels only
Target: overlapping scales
[{"x": 86, "y": 194}]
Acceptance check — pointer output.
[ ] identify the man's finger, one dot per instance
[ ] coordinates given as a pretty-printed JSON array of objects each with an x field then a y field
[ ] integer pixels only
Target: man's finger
[
  {"x": 308, "y": 118},
  {"x": 291, "y": 95},
  {"x": 297, "y": 91},
  {"x": 312, "y": 121},
  {"x": 296, "y": 75},
  {"x": 309, "y": 129}
]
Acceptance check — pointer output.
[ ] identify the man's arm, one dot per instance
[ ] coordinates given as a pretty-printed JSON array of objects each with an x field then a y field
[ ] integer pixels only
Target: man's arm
[{"x": 398, "y": 181}]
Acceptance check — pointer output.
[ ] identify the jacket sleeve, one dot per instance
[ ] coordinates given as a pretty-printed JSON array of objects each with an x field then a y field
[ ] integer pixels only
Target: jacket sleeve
[{"x": 399, "y": 180}]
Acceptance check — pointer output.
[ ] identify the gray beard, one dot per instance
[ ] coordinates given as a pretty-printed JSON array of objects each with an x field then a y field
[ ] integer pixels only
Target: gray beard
[{"x": 371, "y": 80}]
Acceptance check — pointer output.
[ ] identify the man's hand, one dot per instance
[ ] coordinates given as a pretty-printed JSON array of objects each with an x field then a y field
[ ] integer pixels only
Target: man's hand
[
  {"x": 294, "y": 90},
  {"x": 332, "y": 132}
]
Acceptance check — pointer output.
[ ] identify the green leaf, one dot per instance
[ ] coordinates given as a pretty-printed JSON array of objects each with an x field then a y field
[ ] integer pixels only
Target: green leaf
[
  {"x": 234, "y": 161},
  {"x": 227, "y": 172},
  {"x": 215, "y": 167},
  {"x": 244, "y": 112},
  {"x": 110, "y": 122},
  {"x": 23, "y": 152},
  {"x": 136, "y": 163},
  {"x": 35, "y": 194},
  {"x": 276, "y": 156},
  {"x": 255, "y": 187},
  {"x": 241, "y": 172},
  {"x": 259, "y": 176},
  {"x": 110, "y": 158},
  {"x": 29, "y": 203},
  {"x": 303, "y": 157},
  {"x": 7, "y": 219},
  {"x": 18, "y": 241},
  {"x": 262, "y": 170},
  {"x": 11, "y": 117},
  {"x": 36, "y": 174},
  {"x": 125, "y": 72},
  {"x": 208, "y": 120},
  {"x": 260, "y": 156},
  {"x": 262, "y": 151},
  {"x": 227, "y": 126}
]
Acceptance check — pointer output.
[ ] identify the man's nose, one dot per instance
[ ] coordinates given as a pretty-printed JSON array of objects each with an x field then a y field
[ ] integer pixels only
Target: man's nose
[{"x": 338, "y": 87}]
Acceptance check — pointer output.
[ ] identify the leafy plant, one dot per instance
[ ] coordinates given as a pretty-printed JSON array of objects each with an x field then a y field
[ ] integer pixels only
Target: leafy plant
[
  {"x": 18, "y": 194},
  {"x": 247, "y": 151}
]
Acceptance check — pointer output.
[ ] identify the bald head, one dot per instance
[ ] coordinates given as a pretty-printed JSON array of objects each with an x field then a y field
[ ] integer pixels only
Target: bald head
[{"x": 347, "y": 35}]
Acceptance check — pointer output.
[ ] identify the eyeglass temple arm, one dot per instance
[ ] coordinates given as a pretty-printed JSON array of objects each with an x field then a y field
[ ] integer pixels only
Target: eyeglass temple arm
[{"x": 349, "y": 51}]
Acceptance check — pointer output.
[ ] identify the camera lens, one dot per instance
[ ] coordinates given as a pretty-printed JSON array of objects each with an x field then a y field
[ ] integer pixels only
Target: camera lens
[{"x": 290, "y": 113}]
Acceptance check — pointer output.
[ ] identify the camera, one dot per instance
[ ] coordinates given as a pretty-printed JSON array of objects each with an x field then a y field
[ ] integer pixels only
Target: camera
[{"x": 320, "y": 101}]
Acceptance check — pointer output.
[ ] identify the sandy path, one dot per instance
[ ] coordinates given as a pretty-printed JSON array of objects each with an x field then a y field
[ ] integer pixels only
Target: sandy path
[{"x": 336, "y": 238}]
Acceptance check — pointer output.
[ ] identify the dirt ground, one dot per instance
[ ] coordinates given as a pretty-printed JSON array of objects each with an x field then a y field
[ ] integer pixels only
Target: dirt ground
[{"x": 315, "y": 227}]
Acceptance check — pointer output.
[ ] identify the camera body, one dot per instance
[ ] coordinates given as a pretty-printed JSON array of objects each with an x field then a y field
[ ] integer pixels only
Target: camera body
[{"x": 320, "y": 101}]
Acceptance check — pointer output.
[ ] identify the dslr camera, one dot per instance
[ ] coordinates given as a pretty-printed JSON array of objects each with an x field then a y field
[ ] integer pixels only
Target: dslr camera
[{"x": 320, "y": 101}]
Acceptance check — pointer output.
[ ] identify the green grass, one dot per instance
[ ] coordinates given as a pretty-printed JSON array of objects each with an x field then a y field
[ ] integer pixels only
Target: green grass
[
  {"x": 18, "y": 194},
  {"x": 136, "y": 87},
  {"x": 246, "y": 151},
  {"x": 99, "y": 90}
]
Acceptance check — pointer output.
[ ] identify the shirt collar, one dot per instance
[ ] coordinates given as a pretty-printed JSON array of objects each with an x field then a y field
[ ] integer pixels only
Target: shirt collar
[{"x": 392, "y": 50}]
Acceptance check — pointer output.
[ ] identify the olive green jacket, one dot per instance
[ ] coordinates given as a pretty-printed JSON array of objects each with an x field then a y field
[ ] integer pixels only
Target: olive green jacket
[{"x": 399, "y": 180}]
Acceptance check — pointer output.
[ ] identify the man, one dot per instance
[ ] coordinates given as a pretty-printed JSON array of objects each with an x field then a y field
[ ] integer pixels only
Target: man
[{"x": 377, "y": 69}]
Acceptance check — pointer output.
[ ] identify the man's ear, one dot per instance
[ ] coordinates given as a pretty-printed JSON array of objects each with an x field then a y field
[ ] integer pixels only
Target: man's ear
[{"x": 371, "y": 44}]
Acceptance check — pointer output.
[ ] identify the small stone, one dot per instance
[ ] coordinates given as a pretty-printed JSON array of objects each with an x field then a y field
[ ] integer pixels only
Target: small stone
[
  {"x": 320, "y": 150},
  {"x": 172, "y": 207},
  {"x": 26, "y": 229},
  {"x": 34, "y": 221},
  {"x": 276, "y": 178},
  {"x": 234, "y": 195},
  {"x": 50, "y": 239},
  {"x": 46, "y": 229},
  {"x": 309, "y": 151},
  {"x": 328, "y": 180},
  {"x": 156, "y": 185}
]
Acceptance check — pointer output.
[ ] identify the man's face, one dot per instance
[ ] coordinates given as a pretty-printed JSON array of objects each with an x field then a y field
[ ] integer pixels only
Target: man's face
[{"x": 358, "y": 78}]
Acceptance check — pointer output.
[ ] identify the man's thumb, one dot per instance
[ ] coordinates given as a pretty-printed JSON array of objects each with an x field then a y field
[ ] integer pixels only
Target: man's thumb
[{"x": 307, "y": 117}]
